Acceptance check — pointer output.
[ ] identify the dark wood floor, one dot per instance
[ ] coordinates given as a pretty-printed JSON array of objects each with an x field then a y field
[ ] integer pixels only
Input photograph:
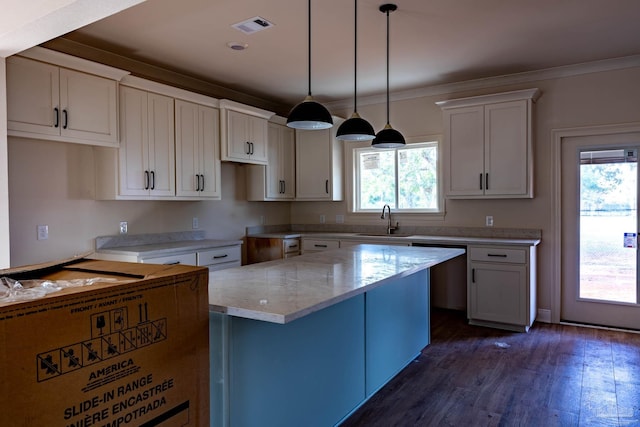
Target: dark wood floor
[{"x": 555, "y": 375}]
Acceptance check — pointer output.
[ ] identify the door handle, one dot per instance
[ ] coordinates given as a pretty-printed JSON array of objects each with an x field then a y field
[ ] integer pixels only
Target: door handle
[
  {"x": 220, "y": 256},
  {"x": 146, "y": 180},
  {"x": 202, "y": 186},
  {"x": 473, "y": 275},
  {"x": 57, "y": 116},
  {"x": 197, "y": 182},
  {"x": 66, "y": 118},
  {"x": 153, "y": 180}
]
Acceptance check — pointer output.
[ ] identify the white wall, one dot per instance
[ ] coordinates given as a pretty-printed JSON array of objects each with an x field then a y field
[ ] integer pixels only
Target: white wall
[
  {"x": 52, "y": 184},
  {"x": 585, "y": 100}
]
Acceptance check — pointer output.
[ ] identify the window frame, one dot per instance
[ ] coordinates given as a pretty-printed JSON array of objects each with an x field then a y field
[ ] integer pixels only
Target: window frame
[{"x": 352, "y": 181}]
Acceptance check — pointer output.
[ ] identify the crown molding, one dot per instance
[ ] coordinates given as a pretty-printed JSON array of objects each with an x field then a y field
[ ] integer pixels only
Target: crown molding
[{"x": 491, "y": 82}]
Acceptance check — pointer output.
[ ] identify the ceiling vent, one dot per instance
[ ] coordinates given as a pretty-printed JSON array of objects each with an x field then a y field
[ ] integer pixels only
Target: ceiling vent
[{"x": 253, "y": 25}]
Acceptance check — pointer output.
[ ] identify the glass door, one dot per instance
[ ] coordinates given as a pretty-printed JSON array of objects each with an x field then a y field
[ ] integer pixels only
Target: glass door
[{"x": 599, "y": 232}]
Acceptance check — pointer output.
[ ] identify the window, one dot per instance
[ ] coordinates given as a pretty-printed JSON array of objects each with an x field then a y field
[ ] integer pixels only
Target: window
[{"x": 407, "y": 178}]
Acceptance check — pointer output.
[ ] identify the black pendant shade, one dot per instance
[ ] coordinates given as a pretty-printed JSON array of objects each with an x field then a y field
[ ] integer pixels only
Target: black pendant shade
[
  {"x": 309, "y": 114},
  {"x": 388, "y": 137},
  {"x": 355, "y": 128}
]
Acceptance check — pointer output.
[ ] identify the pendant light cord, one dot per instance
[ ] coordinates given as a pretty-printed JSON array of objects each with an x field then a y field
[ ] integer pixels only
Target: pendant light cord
[
  {"x": 309, "y": 49},
  {"x": 387, "y": 66},
  {"x": 355, "y": 57}
]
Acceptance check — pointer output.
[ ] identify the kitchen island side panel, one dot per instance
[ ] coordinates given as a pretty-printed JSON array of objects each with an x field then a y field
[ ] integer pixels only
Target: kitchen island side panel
[
  {"x": 308, "y": 372},
  {"x": 397, "y": 327}
]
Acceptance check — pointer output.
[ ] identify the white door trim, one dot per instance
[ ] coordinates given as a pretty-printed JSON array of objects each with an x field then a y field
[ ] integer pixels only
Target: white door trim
[{"x": 557, "y": 136}]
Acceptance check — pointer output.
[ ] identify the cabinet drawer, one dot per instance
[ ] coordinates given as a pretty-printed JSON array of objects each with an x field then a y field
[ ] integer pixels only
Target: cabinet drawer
[
  {"x": 310, "y": 245},
  {"x": 497, "y": 254},
  {"x": 212, "y": 257},
  {"x": 290, "y": 245},
  {"x": 187, "y": 259}
]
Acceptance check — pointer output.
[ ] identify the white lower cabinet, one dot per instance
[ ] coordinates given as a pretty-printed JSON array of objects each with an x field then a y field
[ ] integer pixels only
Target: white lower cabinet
[
  {"x": 501, "y": 289},
  {"x": 318, "y": 245}
]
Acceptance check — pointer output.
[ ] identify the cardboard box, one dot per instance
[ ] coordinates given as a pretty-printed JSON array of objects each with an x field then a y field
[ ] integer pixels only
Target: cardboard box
[{"x": 130, "y": 353}]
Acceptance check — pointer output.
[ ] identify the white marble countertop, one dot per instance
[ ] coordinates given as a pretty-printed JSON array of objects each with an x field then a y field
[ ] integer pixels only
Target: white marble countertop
[
  {"x": 158, "y": 244},
  {"x": 168, "y": 248},
  {"x": 413, "y": 238},
  {"x": 284, "y": 290}
]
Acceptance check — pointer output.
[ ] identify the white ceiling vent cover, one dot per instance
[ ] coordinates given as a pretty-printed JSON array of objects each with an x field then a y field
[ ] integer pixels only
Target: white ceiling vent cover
[{"x": 253, "y": 25}]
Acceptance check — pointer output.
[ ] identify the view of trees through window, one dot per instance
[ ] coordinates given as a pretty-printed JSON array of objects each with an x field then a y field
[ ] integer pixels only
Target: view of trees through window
[
  {"x": 608, "y": 203},
  {"x": 404, "y": 178}
]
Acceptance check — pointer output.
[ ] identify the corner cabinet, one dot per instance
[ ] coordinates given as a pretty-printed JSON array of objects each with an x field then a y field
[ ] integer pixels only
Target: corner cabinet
[
  {"x": 168, "y": 146},
  {"x": 276, "y": 180},
  {"x": 244, "y": 133},
  {"x": 501, "y": 290},
  {"x": 49, "y": 101},
  {"x": 488, "y": 147},
  {"x": 319, "y": 164}
]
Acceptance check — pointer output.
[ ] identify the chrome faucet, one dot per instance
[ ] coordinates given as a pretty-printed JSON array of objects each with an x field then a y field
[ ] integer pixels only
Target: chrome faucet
[{"x": 390, "y": 229}]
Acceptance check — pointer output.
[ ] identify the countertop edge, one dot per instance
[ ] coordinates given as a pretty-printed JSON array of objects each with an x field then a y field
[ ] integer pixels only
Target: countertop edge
[{"x": 284, "y": 318}]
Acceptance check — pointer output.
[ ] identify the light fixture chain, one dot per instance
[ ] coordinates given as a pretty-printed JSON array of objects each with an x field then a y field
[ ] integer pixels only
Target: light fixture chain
[{"x": 355, "y": 56}]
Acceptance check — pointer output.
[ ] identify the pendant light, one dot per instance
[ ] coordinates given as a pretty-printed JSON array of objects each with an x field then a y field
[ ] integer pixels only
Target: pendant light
[
  {"x": 388, "y": 137},
  {"x": 309, "y": 114},
  {"x": 355, "y": 128}
]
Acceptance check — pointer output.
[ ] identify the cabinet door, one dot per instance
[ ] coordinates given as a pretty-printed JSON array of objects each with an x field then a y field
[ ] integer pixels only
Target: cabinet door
[
  {"x": 161, "y": 146},
  {"x": 280, "y": 171},
  {"x": 238, "y": 144},
  {"x": 287, "y": 161},
  {"x": 246, "y": 139},
  {"x": 258, "y": 131},
  {"x": 506, "y": 148},
  {"x": 273, "y": 170},
  {"x": 197, "y": 152},
  {"x": 209, "y": 136},
  {"x": 32, "y": 96},
  {"x": 134, "y": 143},
  {"x": 313, "y": 165},
  {"x": 498, "y": 293},
  {"x": 464, "y": 151},
  {"x": 187, "y": 149},
  {"x": 88, "y": 107}
]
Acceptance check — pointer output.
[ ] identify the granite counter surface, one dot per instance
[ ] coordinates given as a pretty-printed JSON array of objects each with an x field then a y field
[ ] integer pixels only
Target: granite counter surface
[{"x": 284, "y": 290}]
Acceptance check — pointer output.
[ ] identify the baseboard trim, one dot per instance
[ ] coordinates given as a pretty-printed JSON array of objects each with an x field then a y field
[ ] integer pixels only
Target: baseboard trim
[{"x": 544, "y": 315}]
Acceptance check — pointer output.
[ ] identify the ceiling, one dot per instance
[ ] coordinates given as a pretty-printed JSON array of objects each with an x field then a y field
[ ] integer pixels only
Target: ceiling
[{"x": 433, "y": 42}]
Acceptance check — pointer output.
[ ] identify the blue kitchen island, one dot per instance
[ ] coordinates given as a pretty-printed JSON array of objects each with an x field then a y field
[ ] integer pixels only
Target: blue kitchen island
[{"x": 306, "y": 340}]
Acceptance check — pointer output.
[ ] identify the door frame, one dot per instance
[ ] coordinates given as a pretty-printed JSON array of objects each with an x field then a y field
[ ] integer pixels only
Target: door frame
[{"x": 557, "y": 137}]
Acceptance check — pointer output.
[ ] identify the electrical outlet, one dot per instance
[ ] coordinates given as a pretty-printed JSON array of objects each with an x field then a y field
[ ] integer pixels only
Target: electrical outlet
[
  {"x": 339, "y": 219},
  {"x": 262, "y": 220},
  {"x": 322, "y": 219},
  {"x": 195, "y": 223},
  {"x": 43, "y": 232},
  {"x": 489, "y": 221},
  {"x": 124, "y": 227}
]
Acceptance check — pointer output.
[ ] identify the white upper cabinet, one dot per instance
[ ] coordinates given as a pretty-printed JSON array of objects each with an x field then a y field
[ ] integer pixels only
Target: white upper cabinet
[
  {"x": 197, "y": 151},
  {"x": 146, "y": 161},
  {"x": 169, "y": 146},
  {"x": 275, "y": 181},
  {"x": 319, "y": 164},
  {"x": 244, "y": 133},
  {"x": 488, "y": 147},
  {"x": 47, "y": 101}
]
